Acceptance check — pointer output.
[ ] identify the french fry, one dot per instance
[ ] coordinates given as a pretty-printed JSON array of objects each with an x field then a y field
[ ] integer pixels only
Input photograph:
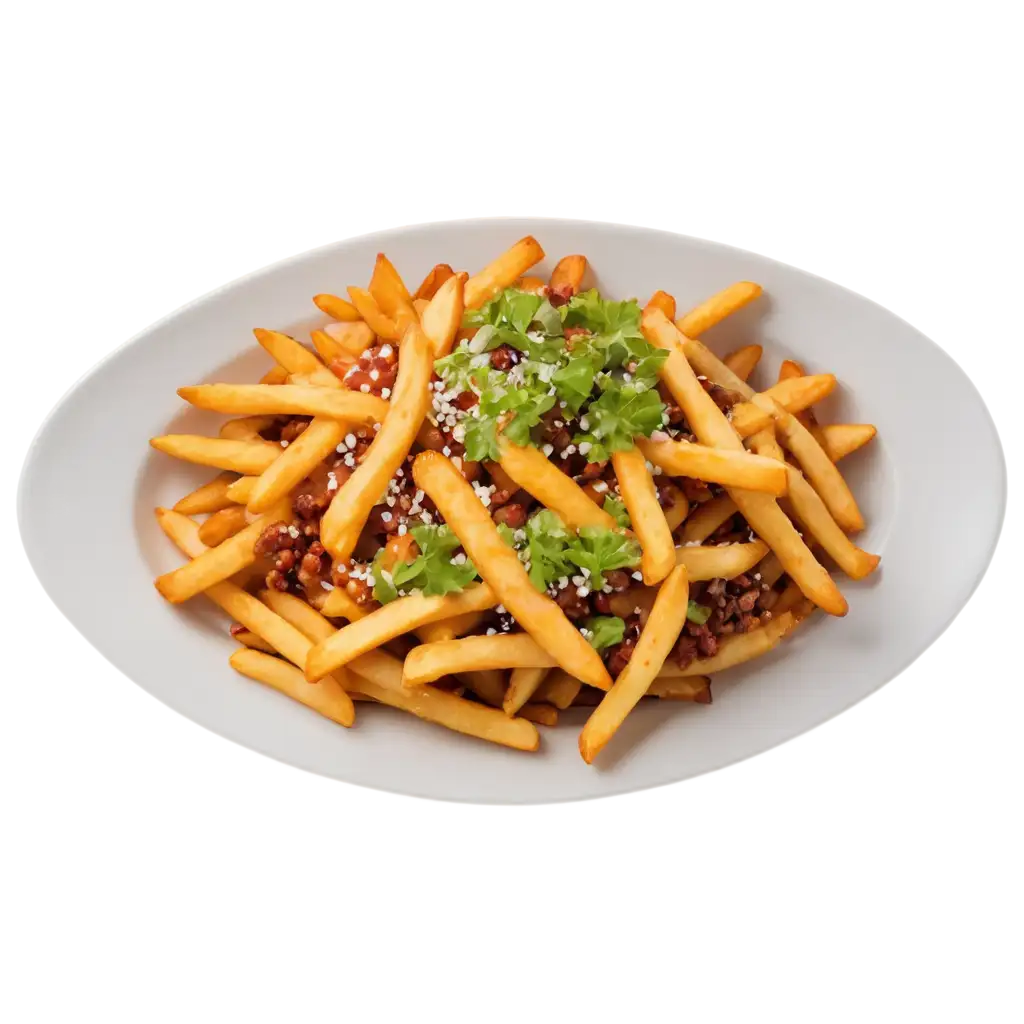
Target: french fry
[
  {"x": 716, "y": 465},
  {"x": 436, "y": 277},
  {"x": 328, "y": 699},
  {"x": 532, "y": 471},
  {"x": 353, "y": 501},
  {"x": 247, "y": 428},
  {"x": 240, "y": 490},
  {"x": 638, "y": 492},
  {"x": 789, "y": 369},
  {"x": 222, "y": 453},
  {"x": 496, "y": 276},
  {"x": 499, "y": 565},
  {"x": 210, "y": 497},
  {"x": 794, "y": 394},
  {"x": 764, "y": 443},
  {"x": 809, "y": 508},
  {"x": 295, "y": 463},
  {"x": 488, "y": 684},
  {"x": 443, "y": 315},
  {"x": 725, "y": 561},
  {"x": 379, "y": 322},
  {"x": 531, "y": 284},
  {"x": 522, "y": 686},
  {"x": 567, "y": 276},
  {"x": 249, "y": 639},
  {"x": 336, "y": 307},
  {"x": 275, "y": 375},
  {"x": 736, "y": 648},
  {"x": 542, "y": 714},
  {"x": 714, "y": 310},
  {"x": 339, "y": 605},
  {"x": 221, "y": 525},
  {"x": 395, "y": 619},
  {"x": 420, "y": 305},
  {"x": 293, "y": 356},
  {"x": 449, "y": 629},
  {"x": 656, "y": 642},
  {"x": 707, "y": 518},
  {"x": 428, "y": 662},
  {"x": 559, "y": 688},
  {"x": 388, "y": 289},
  {"x": 216, "y": 564},
  {"x": 287, "y": 400},
  {"x": 343, "y": 341},
  {"x": 759, "y": 509},
  {"x": 243, "y": 607},
  {"x": 843, "y": 438},
  {"x": 677, "y": 508},
  {"x": 743, "y": 361},
  {"x": 820, "y": 469},
  {"x": 693, "y": 688},
  {"x": 665, "y": 302}
]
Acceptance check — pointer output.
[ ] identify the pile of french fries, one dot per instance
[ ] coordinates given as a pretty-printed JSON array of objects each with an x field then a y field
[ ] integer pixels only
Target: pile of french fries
[{"x": 769, "y": 457}]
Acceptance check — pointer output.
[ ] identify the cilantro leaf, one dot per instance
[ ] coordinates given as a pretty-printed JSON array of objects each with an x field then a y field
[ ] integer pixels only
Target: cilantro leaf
[
  {"x": 432, "y": 571},
  {"x": 546, "y": 541},
  {"x": 602, "y": 316},
  {"x": 622, "y": 412},
  {"x": 604, "y": 631},
  {"x": 616, "y": 508},
  {"x": 698, "y": 613},
  {"x": 481, "y": 438},
  {"x": 600, "y": 550}
]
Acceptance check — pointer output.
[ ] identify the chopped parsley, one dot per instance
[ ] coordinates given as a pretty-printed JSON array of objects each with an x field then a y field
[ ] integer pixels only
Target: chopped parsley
[
  {"x": 616, "y": 508},
  {"x": 604, "y": 375},
  {"x": 435, "y": 570},
  {"x": 698, "y": 613},
  {"x": 604, "y": 631}
]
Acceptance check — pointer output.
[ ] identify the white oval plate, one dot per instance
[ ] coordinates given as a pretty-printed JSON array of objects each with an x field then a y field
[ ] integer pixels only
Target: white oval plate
[{"x": 91, "y": 465}]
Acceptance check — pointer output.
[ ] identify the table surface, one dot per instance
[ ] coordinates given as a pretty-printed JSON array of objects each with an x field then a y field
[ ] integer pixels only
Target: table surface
[{"x": 944, "y": 732}]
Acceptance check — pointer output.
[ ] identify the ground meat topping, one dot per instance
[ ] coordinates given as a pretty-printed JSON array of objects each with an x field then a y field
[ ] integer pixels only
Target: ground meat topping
[{"x": 375, "y": 371}]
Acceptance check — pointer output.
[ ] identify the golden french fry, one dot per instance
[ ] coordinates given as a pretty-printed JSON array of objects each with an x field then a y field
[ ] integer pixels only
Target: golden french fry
[
  {"x": 275, "y": 375},
  {"x": 716, "y": 465},
  {"x": 789, "y": 369},
  {"x": 353, "y": 501},
  {"x": 707, "y": 518},
  {"x": 531, "y": 284},
  {"x": 665, "y": 302},
  {"x": 693, "y": 688},
  {"x": 247, "y": 428},
  {"x": 294, "y": 357},
  {"x": 250, "y": 639},
  {"x": 344, "y": 341},
  {"x": 714, "y": 310},
  {"x": 287, "y": 400},
  {"x": 219, "y": 452},
  {"x": 488, "y": 684},
  {"x": 736, "y": 648},
  {"x": 759, "y": 509},
  {"x": 443, "y": 315},
  {"x": 380, "y": 323},
  {"x": 339, "y": 605},
  {"x": 843, "y": 438},
  {"x": 648, "y": 520},
  {"x": 210, "y": 497},
  {"x": 216, "y": 564},
  {"x": 395, "y": 619},
  {"x": 820, "y": 469},
  {"x": 794, "y": 394},
  {"x": 434, "y": 279},
  {"x": 496, "y": 276},
  {"x": 499, "y": 565},
  {"x": 221, "y": 525},
  {"x": 677, "y": 508},
  {"x": 744, "y": 360},
  {"x": 336, "y": 307},
  {"x": 567, "y": 276},
  {"x": 420, "y": 305},
  {"x": 327, "y": 698},
  {"x": 764, "y": 443},
  {"x": 559, "y": 688},
  {"x": 457, "y": 625},
  {"x": 295, "y": 463},
  {"x": 428, "y": 662},
  {"x": 523, "y": 684},
  {"x": 532, "y": 471},
  {"x": 656, "y": 642},
  {"x": 240, "y": 490},
  {"x": 725, "y": 561},
  {"x": 387, "y": 287},
  {"x": 245, "y": 608},
  {"x": 542, "y": 714}
]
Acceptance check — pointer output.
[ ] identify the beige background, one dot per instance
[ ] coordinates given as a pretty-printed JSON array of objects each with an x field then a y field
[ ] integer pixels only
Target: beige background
[{"x": 148, "y": 875}]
